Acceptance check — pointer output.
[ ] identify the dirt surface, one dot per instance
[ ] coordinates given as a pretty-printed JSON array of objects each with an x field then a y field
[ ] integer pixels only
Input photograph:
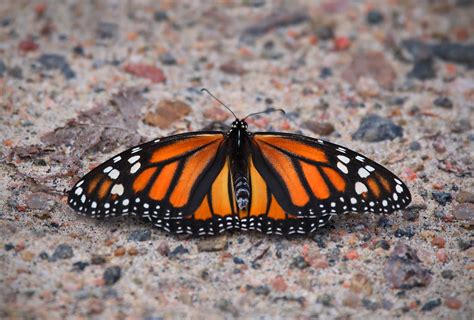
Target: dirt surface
[{"x": 83, "y": 80}]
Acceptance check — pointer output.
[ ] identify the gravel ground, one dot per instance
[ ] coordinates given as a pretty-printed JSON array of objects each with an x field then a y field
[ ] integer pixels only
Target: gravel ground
[{"x": 83, "y": 80}]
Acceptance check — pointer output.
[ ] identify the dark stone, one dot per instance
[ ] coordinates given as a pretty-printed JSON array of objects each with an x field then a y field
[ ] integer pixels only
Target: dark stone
[
  {"x": 370, "y": 305},
  {"x": 383, "y": 244},
  {"x": 5, "y": 22},
  {"x": 255, "y": 3},
  {"x": 319, "y": 239},
  {"x": 79, "y": 50},
  {"x": 140, "y": 235},
  {"x": 325, "y": 73},
  {"x": 9, "y": 246},
  {"x": 443, "y": 102},
  {"x": 374, "y": 17},
  {"x": 16, "y": 72},
  {"x": 262, "y": 290},
  {"x": 299, "y": 262},
  {"x": 415, "y": 146},
  {"x": 3, "y": 68},
  {"x": 442, "y": 197},
  {"x": 455, "y": 52},
  {"x": 269, "y": 51},
  {"x": 98, "y": 259},
  {"x": 423, "y": 69},
  {"x": 160, "y": 16},
  {"x": 44, "y": 255},
  {"x": 278, "y": 19},
  {"x": 79, "y": 266},
  {"x": 432, "y": 304},
  {"x": 63, "y": 251},
  {"x": 411, "y": 214},
  {"x": 448, "y": 274},
  {"x": 439, "y": 213},
  {"x": 179, "y": 250},
  {"x": 227, "y": 306},
  {"x": 463, "y": 245},
  {"x": 112, "y": 275},
  {"x": 107, "y": 30},
  {"x": 238, "y": 260},
  {"x": 167, "y": 59},
  {"x": 404, "y": 270},
  {"x": 325, "y": 33},
  {"x": 326, "y": 300},
  {"x": 51, "y": 61},
  {"x": 384, "y": 222},
  {"x": 374, "y": 128}
]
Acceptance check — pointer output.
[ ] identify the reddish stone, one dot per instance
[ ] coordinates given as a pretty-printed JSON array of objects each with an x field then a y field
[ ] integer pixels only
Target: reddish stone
[
  {"x": 167, "y": 112},
  {"x": 352, "y": 255},
  {"x": 27, "y": 45},
  {"x": 453, "y": 303},
  {"x": 279, "y": 284},
  {"x": 119, "y": 252},
  {"x": 438, "y": 242},
  {"x": 341, "y": 43},
  {"x": 145, "y": 71},
  {"x": 442, "y": 256}
]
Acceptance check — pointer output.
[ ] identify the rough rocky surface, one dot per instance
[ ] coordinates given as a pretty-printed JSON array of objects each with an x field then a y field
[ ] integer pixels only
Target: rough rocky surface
[{"x": 83, "y": 80}]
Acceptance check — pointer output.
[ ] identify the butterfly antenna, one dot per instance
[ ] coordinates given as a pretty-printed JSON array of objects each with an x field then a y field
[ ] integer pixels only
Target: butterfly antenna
[
  {"x": 222, "y": 103},
  {"x": 265, "y": 111}
]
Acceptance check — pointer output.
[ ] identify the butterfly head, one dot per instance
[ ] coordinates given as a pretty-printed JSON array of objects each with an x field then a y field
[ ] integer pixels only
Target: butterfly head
[{"x": 239, "y": 125}]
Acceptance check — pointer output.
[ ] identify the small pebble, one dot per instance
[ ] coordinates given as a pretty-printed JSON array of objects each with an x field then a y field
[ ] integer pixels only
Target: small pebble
[
  {"x": 140, "y": 235},
  {"x": 423, "y": 69},
  {"x": 453, "y": 303},
  {"x": 384, "y": 244},
  {"x": 299, "y": 262},
  {"x": 238, "y": 260},
  {"x": 79, "y": 266},
  {"x": 146, "y": 71},
  {"x": 374, "y": 128},
  {"x": 52, "y": 61},
  {"x": 63, "y": 251},
  {"x": 112, "y": 275},
  {"x": 465, "y": 196},
  {"x": 431, "y": 305},
  {"x": 325, "y": 33},
  {"x": 438, "y": 242},
  {"x": 360, "y": 283},
  {"x": 164, "y": 249},
  {"x": 119, "y": 252},
  {"x": 28, "y": 45},
  {"x": 179, "y": 250},
  {"x": 3, "y": 68},
  {"x": 374, "y": 17},
  {"x": 464, "y": 211},
  {"x": 319, "y": 128},
  {"x": 326, "y": 300},
  {"x": 442, "y": 256},
  {"x": 107, "y": 30},
  {"x": 463, "y": 245},
  {"x": 442, "y": 197},
  {"x": 415, "y": 146},
  {"x": 319, "y": 239},
  {"x": 443, "y": 102},
  {"x": 352, "y": 255},
  {"x": 98, "y": 259},
  {"x": 212, "y": 244},
  {"x": 167, "y": 59},
  {"x": 16, "y": 72},
  {"x": 341, "y": 43},
  {"x": 447, "y": 274},
  {"x": 43, "y": 255},
  {"x": 370, "y": 305},
  {"x": 226, "y": 306},
  {"x": 279, "y": 284},
  {"x": 439, "y": 213},
  {"x": 325, "y": 73},
  {"x": 166, "y": 113},
  {"x": 262, "y": 290},
  {"x": 411, "y": 214},
  {"x": 132, "y": 251},
  {"x": 9, "y": 246},
  {"x": 160, "y": 16}
]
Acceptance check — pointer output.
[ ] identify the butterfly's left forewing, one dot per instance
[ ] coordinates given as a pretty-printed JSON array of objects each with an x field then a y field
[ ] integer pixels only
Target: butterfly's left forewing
[
  {"x": 163, "y": 181},
  {"x": 316, "y": 179}
]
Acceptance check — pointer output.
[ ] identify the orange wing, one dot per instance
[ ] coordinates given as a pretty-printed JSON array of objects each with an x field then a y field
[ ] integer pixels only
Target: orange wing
[
  {"x": 310, "y": 180},
  {"x": 163, "y": 181}
]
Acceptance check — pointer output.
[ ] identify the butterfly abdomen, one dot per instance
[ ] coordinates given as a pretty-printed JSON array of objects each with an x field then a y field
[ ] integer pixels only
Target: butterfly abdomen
[{"x": 242, "y": 192}]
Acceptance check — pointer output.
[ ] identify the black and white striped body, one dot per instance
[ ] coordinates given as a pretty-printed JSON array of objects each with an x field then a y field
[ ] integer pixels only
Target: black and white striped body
[{"x": 239, "y": 144}]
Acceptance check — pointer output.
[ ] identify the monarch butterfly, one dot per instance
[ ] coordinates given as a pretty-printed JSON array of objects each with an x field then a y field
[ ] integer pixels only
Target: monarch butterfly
[{"x": 204, "y": 183}]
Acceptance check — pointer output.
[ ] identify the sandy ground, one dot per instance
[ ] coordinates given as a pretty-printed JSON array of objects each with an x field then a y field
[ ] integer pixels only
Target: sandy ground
[{"x": 83, "y": 80}]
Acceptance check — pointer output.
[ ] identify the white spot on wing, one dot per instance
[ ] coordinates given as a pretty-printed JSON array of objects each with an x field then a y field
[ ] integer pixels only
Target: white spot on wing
[
  {"x": 384, "y": 203},
  {"x": 108, "y": 169},
  {"x": 117, "y": 159},
  {"x": 395, "y": 196},
  {"x": 363, "y": 173},
  {"x": 78, "y": 191},
  {"x": 342, "y": 167},
  {"x": 79, "y": 183},
  {"x": 135, "y": 167},
  {"x": 94, "y": 204},
  {"x": 117, "y": 189},
  {"x": 133, "y": 159},
  {"x": 344, "y": 159},
  {"x": 83, "y": 198},
  {"x": 353, "y": 200},
  {"x": 125, "y": 202},
  {"x": 399, "y": 188},
  {"x": 370, "y": 168},
  {"x": 360, "y": 187},
  {"x": 360, "y": 158},
  {"x": 136, "y": 149},
  {"x": 114, "y": 174}
]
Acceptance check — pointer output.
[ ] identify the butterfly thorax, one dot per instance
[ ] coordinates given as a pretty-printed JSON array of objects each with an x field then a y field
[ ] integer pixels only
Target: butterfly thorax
[{"x": 239, "y": 150}]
